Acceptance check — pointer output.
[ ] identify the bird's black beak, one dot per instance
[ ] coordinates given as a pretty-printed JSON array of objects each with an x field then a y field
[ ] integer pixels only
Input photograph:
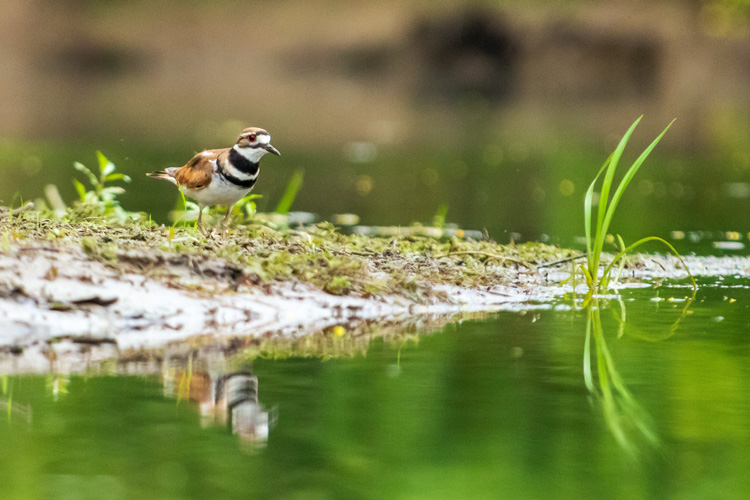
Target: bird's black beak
[{"x": 272, "y": 149}]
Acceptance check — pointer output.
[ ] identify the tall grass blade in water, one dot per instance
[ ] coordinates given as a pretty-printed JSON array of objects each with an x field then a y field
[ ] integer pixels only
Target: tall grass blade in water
[{"x": 596, "y": 235}]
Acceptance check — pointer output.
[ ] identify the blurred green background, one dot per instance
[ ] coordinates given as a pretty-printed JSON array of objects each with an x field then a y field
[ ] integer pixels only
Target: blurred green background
[{"x": 502, "y": 111}]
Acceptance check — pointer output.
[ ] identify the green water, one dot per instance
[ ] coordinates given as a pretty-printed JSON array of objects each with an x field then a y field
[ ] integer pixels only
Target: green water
[{"x": 496, "y": 408}]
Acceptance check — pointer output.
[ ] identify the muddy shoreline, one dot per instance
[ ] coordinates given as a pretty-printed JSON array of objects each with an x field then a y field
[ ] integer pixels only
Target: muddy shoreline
[
  {"x": 134, "y": 289},
  {"x": 50, "y": 293}
]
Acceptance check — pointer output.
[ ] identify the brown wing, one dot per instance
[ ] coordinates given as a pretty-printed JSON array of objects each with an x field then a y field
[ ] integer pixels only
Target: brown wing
[{"x": 198, "y": 172}]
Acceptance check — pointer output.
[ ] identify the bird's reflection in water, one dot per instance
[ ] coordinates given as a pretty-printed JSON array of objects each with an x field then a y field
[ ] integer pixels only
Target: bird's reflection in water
[
  {"x": 236, "y": 405},
  {"x": 224, "y": 397}
]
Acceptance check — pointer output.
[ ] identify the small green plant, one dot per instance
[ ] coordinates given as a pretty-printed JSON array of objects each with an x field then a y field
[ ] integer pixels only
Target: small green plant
[
  {"x": 101, "y": 199},
  {"x": 438, "y": 220},
  {"x": 292, "y": 188},
  {"x": 606, "y": 211},
  {"x": 185, "y": 212},
  {"x": 246, "y": 207}
]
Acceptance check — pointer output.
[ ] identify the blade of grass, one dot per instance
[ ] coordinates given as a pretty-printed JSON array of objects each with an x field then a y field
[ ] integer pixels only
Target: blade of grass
[
  {"x": 295, "y": 183},
  {"x": 601, "y": 227},
  {"x": 609, "y": 176},
  {"x": 588, "y": 203},
  {"x": 587, "y": 275},
  {"x": 640, "y": 242},
  {"x": 629, "y": 177}
]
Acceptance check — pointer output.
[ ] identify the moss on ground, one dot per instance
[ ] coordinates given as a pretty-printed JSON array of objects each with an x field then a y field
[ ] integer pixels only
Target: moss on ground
[{"x": 255, "y": 254}]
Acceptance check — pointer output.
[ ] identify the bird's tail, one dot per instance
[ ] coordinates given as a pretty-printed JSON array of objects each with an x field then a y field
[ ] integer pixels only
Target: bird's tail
[{"x": 163, "y": 174}]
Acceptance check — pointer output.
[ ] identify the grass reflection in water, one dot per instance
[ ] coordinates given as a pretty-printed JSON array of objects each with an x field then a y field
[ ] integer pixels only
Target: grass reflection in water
[{"x": 628, "y": 422}]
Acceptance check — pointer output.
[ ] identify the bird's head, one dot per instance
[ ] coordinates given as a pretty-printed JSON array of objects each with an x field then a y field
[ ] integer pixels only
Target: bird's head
[{"x": 254, "y": 142}]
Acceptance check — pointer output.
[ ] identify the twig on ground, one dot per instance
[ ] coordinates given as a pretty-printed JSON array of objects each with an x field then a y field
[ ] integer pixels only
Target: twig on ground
[
  {"x": 6, "y": 211},
  {"x": 562, "y": 261},
  {"x": 491, "y": 255}
]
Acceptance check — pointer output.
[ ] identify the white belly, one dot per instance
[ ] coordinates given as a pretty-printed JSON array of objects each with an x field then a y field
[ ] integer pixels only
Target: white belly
[{"x": 219, "y": 192}]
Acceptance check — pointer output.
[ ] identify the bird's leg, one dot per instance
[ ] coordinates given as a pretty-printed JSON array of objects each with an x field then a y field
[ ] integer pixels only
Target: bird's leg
[
  {"x": 224, "y": 222},
  {"x": 200, "y": 219}
]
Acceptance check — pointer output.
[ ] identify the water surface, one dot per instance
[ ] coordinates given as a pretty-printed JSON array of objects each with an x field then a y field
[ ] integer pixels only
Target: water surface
[{"x": 494, "y": 408}]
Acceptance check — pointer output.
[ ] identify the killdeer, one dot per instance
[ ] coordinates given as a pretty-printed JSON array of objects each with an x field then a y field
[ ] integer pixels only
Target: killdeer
[{"x": 221, "y": 176}]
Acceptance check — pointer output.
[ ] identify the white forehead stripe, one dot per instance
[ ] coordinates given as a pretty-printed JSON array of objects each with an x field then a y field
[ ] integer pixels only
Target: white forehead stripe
[{"x": 261, "y": 138}]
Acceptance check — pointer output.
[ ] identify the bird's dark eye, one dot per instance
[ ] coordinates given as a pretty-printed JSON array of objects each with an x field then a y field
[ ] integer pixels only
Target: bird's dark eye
[{"x": 251, "y": 137}]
